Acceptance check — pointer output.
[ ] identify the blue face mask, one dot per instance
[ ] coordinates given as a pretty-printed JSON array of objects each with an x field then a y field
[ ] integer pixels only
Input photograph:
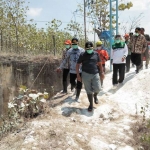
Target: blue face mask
[
  {"x": 74, "y": 46},
  {"x": 89, "y": 51}
]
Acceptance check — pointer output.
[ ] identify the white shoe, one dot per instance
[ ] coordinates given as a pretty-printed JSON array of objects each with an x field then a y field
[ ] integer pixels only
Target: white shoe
[{"x": 115, "y": 86}]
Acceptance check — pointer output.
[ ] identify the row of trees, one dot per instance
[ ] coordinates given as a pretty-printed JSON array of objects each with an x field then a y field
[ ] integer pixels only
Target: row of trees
[{"x": 18, "y": 36}]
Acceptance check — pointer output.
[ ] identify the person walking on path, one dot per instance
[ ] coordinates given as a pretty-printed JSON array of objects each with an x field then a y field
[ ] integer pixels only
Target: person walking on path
[
  {"x": 138, "y": 45},
  {"x": 118, "y": 55},
  {"x": 128, "y": 58},
  {"x": 90, "y": 73},
  {"x": 66, "y": 66},
  {"x": 146, "y": 53},
  {"x": 73, "y": 55},
  {"x": 103, "y": 54}
]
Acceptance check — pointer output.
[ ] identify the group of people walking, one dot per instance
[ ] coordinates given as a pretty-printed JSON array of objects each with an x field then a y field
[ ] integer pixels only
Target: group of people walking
[{"x": 87, "y": 65}]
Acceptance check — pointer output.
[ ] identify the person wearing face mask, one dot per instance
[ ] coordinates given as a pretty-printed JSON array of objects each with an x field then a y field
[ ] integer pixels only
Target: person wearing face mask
[
  {"x": 67, "y": 44},
  {"x": 72, "y": 55},
  {"x": 146, "y": 53},
  {"x": 118, "y": 54},
  {"x": 138, "y": 45},
  {"x": 90, "y": 73},
  {"x": 128, "y": 58},
  {"x": 103, "y": 54}
]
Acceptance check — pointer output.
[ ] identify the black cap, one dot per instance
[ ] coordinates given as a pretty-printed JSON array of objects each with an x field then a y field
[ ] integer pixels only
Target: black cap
[
  {"x": 143, "y": 29},
  {"x": 88, "y": 45},
  {"x": 138, "y": 28},
  {"x": 74, "y": 39}
]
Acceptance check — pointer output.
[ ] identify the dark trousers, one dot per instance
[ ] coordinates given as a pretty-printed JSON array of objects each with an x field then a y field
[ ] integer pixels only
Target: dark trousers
[
  {"x": 73, "y": 83},
  {"x": 121, "y": 69},
  {"x": 128, "y": 59},
  {"x": 146, "y": 55},
  {"x": 136, "y": 59},
  {"x": 65, "y": 74}
]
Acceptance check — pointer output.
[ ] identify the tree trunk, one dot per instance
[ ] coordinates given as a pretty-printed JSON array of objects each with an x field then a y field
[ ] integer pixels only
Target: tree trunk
[{"x": 1, "y": 40}]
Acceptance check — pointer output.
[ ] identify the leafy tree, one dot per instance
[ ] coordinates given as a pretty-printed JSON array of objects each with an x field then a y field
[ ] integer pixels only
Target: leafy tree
[
  {"x": 98, "y": 11},
  {"x": 20, "y": 37},
  {"x": 15, "y": 13}
]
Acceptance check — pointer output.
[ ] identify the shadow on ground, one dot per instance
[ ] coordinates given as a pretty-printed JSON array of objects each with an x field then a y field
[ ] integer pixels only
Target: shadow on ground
[{"x": 67, "y": 111}]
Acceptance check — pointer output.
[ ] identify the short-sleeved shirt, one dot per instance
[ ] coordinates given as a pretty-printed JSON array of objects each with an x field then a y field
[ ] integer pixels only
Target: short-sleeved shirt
[{"x": 89, "y": 62}]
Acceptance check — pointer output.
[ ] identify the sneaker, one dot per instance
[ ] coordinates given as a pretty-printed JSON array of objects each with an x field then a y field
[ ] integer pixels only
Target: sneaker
[{"x": 115, "y": 86}]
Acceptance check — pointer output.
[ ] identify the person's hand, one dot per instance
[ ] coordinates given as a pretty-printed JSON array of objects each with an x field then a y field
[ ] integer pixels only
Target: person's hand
[
  {"x": 79, "y": 78},
  {"x": 123, "y": 59},
  {"x": 58, "y": 70},
  {"x": 102, "y": 76}
]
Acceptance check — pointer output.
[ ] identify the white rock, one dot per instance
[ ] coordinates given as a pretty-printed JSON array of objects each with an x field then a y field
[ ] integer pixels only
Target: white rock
[
  {"x": 112, "y": 147},
  {"x": 96, "y": 144},
  {"x": 125, "y": 148},
  {"x": 79, "y": 135}
]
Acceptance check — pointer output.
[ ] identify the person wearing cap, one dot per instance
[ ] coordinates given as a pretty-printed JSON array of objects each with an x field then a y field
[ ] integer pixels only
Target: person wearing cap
[
  {"x": 65, "y": 69},
  {"x": 146, "y": 53},
  {"x": 103, "y": 54},
  {"x": 72, "y": 55},
  {"x": 128, "y": 58},
  {"x": 90, "y": 73},
  {"x": 118, "y": 55},
  {"x": 138, "y": 45}
]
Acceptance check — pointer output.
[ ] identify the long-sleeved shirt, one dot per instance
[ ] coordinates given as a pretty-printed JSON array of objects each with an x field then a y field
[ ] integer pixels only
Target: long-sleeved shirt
[
  {"x": 64, "y": 55},
  {"x": 103, "y": 55},
  {"x": 138, "y": 44},
  {"x": 72, "y": 56},
  {"x": 118, "y": 53}
]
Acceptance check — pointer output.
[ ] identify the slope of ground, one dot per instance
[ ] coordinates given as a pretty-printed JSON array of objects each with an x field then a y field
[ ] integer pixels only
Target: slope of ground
[{"x": 67, "y": 125}]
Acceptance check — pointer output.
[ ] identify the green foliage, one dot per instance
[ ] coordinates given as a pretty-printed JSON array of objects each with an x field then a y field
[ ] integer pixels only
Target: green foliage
[
  {"x": 99, "y": 11},
  {"x": 23, "y": 37},
  {"x": 28, "y": 104}
]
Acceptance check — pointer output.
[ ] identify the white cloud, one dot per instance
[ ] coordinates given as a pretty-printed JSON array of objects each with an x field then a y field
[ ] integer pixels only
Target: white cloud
[
  {"x": 33, "y": 12},
  {"x": 140, "y": 5}
]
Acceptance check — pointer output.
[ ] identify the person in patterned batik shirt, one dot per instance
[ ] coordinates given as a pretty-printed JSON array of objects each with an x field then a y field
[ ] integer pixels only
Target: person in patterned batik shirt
[
  {"x": 138, "y": 45},
  {"x": 67, "y": 44}
]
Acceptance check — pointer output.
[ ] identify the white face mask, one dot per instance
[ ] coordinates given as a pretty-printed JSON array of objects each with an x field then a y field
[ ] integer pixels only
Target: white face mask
[{"x": 99, "y": 47}]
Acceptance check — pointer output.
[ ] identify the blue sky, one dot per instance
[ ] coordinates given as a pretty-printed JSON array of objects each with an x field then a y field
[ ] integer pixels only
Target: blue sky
[{"x": 47, "y": 10}]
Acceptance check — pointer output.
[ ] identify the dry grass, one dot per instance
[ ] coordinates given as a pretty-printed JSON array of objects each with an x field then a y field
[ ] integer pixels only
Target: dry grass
[{"x": 31, "y": 58}]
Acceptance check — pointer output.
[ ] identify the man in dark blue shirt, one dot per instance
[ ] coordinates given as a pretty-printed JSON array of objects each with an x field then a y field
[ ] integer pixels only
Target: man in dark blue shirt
[{"x": 90, "y": 73}]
